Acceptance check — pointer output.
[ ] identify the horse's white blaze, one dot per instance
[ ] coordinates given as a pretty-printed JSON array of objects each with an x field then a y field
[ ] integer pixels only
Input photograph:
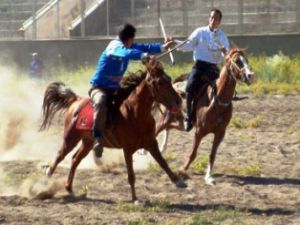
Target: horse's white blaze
[{"x": 248, "y": 72}]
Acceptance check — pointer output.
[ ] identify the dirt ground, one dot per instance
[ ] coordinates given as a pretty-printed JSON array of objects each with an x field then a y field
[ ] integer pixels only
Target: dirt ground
[{"x": 102, "y": 195}]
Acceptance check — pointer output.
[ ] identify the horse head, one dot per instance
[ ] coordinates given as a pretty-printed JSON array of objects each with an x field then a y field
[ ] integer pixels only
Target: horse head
[
  {"x": 160, "y": 85},
  {"x": 237, "y": 65}
]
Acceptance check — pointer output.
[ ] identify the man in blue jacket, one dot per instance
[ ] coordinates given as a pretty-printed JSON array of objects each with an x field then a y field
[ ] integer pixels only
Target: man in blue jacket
[{"x": 111, "y": 67}]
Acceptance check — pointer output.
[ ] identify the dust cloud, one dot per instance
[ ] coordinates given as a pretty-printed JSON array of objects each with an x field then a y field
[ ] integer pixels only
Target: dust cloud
[{"x": 20, "y": 115}]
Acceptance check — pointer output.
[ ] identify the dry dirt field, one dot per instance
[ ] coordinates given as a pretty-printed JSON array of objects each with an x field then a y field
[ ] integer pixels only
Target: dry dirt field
[{"x": 257, "y": 173}]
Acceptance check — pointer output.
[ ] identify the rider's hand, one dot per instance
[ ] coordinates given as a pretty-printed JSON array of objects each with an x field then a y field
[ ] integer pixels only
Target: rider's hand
[
  {"x": 146, "y": 58},
  {"x": 169, "y": 43}
]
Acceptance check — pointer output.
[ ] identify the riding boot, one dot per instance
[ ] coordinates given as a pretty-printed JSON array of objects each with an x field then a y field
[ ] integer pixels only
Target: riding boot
[
  {"x": 98, "y": 146},
  {"x": 188, "y": 119}
]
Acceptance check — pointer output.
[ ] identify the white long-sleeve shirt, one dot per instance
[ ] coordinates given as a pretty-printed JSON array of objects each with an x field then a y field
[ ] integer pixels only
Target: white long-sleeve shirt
[{"x": 206, "y": 44}]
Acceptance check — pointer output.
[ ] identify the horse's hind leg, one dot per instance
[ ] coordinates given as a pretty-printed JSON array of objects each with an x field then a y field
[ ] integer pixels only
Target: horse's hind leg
[
  {"x": 197, "y": 139},
  {"x": 216, "y": 142},
  {"x": 70, "y": 141},
  {"x": 82, "y": 152}
]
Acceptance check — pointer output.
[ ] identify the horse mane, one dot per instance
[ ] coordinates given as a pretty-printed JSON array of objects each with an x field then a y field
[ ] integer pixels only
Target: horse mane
[
  {"x": 234, "y": 50},
  {"x": 128, "y": 84}
]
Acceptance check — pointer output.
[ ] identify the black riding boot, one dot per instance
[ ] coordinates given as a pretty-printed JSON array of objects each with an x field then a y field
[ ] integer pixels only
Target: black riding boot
[
  {"x": 188, "y": 119},
  {"x": 98, "y": 146}
]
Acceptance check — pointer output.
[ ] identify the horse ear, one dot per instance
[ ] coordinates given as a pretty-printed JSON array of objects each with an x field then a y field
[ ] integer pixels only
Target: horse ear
[{"x": 233, "y": 45}]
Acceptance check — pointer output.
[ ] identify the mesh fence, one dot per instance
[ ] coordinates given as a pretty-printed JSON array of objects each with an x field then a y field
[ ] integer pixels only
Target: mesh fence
[{"x": 26, "y": 19}]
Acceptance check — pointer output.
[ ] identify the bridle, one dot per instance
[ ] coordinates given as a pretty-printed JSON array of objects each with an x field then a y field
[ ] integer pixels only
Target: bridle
[
  {"x": 232, "y": 69},
  {"x": 233, "y": 66},
  {"x": 153, "y": 86}
]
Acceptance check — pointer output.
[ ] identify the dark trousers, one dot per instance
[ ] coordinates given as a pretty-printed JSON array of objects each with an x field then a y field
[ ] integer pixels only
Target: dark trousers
[{"x": 202, "y": 73}]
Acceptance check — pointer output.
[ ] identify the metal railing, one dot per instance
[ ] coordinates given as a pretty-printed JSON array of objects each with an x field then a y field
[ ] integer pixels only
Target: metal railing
[{"x": 30, "y": 19}]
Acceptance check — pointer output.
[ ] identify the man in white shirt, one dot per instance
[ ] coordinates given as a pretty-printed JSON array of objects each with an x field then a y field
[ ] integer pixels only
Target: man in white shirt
[{"x": 209, "y": 45}]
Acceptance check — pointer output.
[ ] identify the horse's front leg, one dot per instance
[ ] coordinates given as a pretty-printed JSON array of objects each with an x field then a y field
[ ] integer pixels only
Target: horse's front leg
[
  {"x": 130, "y": 172},
  {"x": 218, "y": 137},
  {"x": 156, "y": 154}
]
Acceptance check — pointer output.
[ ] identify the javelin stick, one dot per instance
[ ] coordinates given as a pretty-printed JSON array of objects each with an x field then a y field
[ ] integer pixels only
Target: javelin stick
[
  {"x": 165, "y": 37},
  {"x": 171, "y": 49}
]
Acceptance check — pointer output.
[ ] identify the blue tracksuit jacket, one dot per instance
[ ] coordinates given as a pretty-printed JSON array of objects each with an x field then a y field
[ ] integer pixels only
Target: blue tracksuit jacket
[{"x": 114, "y": 60}]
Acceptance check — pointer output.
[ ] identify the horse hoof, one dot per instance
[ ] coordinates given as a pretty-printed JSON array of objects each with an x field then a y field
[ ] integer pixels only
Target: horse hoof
[
  {"x": 136, "y": 202},
  {"x": 47, "y": 170},
  {"x": 69, "y": 190},
  {"x": 181, "y": 184},
  {"x": 210, "y": 181}
]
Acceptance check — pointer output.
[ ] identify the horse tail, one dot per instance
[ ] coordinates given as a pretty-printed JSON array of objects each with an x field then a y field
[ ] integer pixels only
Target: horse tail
[{"x": 57, "y": 97}]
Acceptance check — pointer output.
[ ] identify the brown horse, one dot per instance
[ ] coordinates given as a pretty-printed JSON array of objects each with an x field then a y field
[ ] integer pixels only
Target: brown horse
[
  {"x": 212, "y": 109},
  {"x": 131, "y": 127}
]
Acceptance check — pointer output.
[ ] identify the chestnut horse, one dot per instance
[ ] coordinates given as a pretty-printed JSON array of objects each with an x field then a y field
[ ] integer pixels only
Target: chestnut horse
[
  {"x": 212, "y": 109},
  {"x": 133, "y": 125}
]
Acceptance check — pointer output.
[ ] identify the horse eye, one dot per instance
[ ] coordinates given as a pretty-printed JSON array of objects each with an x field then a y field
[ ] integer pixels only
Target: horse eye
[{"x": 239, "y": 63}]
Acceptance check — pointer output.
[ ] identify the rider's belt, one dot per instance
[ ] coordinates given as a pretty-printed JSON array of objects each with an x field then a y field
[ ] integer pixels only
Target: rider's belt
[{"x": 200, "y": 63}]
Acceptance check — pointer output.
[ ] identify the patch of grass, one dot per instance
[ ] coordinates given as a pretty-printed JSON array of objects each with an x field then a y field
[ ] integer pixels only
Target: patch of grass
[
  {"x": 293, "y": 130},
  {"x": 142, "y": 221},
  {"x": 169, "y": 156},
  {"x": 238, "y": 123},
  {"x": 255, "y": 122},
  {"x": 246, "y": 170},
  {"x": 154, "y": 167},
  {"x": 200, "y": 164},
  {"x": 243, "y": 137},
  {"x": 152, "y": 207},
  {"x": 219, "y": 216}
]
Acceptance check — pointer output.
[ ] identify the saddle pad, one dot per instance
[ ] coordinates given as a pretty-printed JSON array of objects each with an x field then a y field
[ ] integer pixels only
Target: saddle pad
[{"x": 85, "y": 117}]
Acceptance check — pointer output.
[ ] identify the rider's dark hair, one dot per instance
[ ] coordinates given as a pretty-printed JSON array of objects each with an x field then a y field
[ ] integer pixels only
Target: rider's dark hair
[
  {"x": 126, "y": 32},
  {"x": 217, "y": 11}
]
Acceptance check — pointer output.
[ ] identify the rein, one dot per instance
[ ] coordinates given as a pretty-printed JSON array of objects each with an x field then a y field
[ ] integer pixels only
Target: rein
[
  {"x": 231, "y": 76},
  {"x": 171, "y": 49},
  {"x": 217, "y": 99}
]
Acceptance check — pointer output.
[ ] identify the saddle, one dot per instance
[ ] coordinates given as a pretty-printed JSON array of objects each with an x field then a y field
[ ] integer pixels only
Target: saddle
[
  {"x": 85, "y": 118},
  {"x": 202, "y": 91}
]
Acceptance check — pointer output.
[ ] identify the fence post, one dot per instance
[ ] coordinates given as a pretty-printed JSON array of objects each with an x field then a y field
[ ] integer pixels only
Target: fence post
[
  {"x": 158, "y": 16},
  {"x": 107, "y": 18},
  {"x": 133, "y": 11},
  {"x": 82, "y": 16},
  {"x": 185, "y": 18},
  {"x": 241, "y": 16},
  {"x": 58, "y": 18},
  {"x": 34, "y": 25},
  {"x": 298, "y": 15}
]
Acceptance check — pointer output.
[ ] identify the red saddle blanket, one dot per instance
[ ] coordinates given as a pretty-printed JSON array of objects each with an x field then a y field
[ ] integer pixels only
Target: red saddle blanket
[{"x": 85, "y": 117}]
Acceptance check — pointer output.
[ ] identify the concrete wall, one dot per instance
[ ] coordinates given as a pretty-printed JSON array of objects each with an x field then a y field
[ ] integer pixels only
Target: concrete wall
[{"x": 76, "y": 53}]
